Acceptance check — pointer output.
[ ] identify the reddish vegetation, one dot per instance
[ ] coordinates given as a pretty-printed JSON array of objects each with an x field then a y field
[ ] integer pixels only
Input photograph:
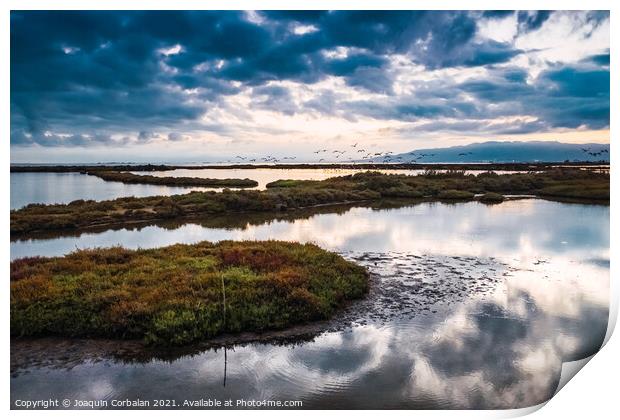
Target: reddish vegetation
[{"x": 174, "y": 295}]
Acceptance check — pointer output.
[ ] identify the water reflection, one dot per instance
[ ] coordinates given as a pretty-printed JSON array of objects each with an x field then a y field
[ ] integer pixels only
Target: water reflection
[
  {"x": 515, "y": 229},
  {"x": 501, "y": 348},
  {"x": 266, "y": 175},
  {"x": 480, "y": 354},
  {"x": 62, "y": 188}
]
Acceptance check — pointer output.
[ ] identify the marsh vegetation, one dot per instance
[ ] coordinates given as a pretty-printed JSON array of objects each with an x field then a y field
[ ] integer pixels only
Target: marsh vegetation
[
  {"x": 491, "y": 198},
  {"x": 181, "y": 293},
  {"x": 285, "y": 195},
  {"x": 130, "y": 178}
]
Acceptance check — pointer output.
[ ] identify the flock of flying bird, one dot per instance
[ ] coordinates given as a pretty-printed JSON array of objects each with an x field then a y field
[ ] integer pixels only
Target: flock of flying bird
[
  {"x": 358, "y": 155},
  {"x": 265, "y": 159},
  {"x": 354, "y": 155},
  {"x": 364, "y": 155},
  {"x": 600, "y": 152}
]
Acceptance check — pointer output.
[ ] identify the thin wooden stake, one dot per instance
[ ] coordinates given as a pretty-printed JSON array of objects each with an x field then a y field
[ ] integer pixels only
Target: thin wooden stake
[
  {"x": 224, "y": 312},
  {"x": 225, "y": 365},
  {"x": 224, "y": 301}
]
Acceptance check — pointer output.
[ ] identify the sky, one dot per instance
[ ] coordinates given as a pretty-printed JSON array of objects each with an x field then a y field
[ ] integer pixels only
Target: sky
[{"x": 206, "y": 86}]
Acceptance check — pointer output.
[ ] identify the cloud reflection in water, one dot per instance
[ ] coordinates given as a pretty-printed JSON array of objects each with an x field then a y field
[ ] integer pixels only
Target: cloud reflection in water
[{"x": 498, "y": 350}]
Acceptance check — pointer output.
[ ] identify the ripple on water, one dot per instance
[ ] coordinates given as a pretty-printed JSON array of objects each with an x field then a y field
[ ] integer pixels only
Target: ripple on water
[{"x": 427, "y": 336}]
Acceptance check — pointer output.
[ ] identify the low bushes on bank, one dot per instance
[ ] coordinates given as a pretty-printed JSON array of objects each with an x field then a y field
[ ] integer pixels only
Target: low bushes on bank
[{"x": 175, "y": 295}]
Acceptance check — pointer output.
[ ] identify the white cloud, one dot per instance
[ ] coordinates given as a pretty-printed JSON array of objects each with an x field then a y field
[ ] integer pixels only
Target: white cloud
[
  {"x": 566, "y": 37},
  {"x": 500, "y": 30},
  {"x": 304, "y": 29}
]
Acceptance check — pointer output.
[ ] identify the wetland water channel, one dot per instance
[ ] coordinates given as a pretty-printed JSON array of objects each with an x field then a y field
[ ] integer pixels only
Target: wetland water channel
[
  {"x": 472, "y": 306},
  {"x": 62, "y": 188}
]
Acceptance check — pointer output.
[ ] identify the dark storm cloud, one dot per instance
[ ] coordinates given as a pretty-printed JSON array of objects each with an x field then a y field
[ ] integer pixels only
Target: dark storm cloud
[
  {"x": 580, "y": 83},
  {"x": 600, "y": 59},
  {"x": 477, "y": 126},
  {"x": 87, "y": 107},
  {"x": 528, "y": 20},
  {"x": 175, "y": 136},
  {"x": 470, "y": 54},
  {"x": 597, "y": 17},
  {"x": 146, "y": 136},
  {"x": 129, "y": 72},
  {"x": 304, "y": 16},
  {"x": 274, "y": 98},
  {"x": 348, "y": 65},
  {"x": 73, "y": 140},
  {"x": 564, "y": 97},
  {"x": 371, "y": 79},
  {"x": 497, "y": 14},
  {"x": 532, "y": 20},
  {"x": 412, "y": 108},
  {"x": 96, "y": 70},
  {"x": 325, "y": 102}
]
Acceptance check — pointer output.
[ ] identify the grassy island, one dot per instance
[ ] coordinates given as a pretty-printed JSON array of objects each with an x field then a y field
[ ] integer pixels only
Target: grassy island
[
  {"x": 561, "y": 184},
  {"x": 182, "y": 181},
  {"x": 175, "y": 295},
  {"x": 492, "y": 198}
]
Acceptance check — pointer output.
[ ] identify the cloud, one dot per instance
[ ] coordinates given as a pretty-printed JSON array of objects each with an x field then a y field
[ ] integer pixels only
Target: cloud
[
  {"x": 497, "y": 14},
  {"x": 73, "y": 140},
  {"x": 274, "y": 98},
  {"x": 600, "y": 59},
  {"x": 566, "y": 97},
  {"x": 134, "y": 73},
  {"x": 175, "y": 136},
  {"x": 516, "y": 126},
  {"x": 532, "y": 20}
]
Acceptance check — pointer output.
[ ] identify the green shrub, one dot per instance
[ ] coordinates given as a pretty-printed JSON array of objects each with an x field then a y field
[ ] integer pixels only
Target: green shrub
[
  {"x": 131, "y": 178},
  {"x": 291, "y": 194},
  {"x": 491, "y": 197},
  {"x": 455, "y": 195},
  {"x": 174, "y": 295}
]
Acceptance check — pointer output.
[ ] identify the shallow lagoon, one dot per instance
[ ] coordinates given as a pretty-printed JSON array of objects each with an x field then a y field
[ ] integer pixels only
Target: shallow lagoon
[
  {"x": 521, "y": 287},
  {"x": 266, "y": 175},
  {"x": 62, "y": 188}
]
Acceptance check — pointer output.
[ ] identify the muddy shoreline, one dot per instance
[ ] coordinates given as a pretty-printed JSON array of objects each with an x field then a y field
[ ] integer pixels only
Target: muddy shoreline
[
  {"x": 401, "y": 285},
  {"x": 65, "y": 353}
]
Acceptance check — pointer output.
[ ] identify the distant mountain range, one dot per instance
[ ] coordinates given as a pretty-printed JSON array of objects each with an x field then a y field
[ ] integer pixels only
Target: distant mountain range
[{"x": 506, "y": 152}]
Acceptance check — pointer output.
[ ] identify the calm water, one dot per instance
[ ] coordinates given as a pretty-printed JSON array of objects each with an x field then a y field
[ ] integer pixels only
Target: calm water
[
  {"x": 62, "y": 188},
  {"x": 265, "y": 175},
  {"x": 495, "y": 299}
]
